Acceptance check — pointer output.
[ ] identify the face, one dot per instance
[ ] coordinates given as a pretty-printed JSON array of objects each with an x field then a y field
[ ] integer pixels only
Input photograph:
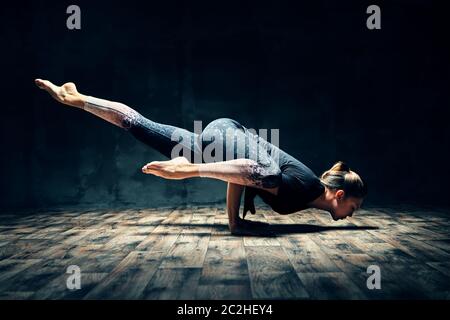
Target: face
[{"x": 343, "y": 207}]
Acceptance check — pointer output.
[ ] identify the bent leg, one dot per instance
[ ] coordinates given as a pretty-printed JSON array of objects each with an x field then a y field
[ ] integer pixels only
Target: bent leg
[
  {"x": 255, "y": 166},
  {"x": 231, "y": 150}
]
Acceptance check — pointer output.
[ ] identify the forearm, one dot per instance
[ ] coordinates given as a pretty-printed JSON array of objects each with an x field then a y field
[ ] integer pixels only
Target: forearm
[{"x": 234, "y": 193}]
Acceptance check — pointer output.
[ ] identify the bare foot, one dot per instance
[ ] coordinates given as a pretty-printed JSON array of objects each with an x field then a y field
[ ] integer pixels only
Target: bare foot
[
  {"x": 66, "y": 94},
  {"x": 177, "y": 168}
]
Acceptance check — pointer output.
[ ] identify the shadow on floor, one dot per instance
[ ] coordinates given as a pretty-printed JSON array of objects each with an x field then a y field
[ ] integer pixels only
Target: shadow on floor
[
  {"x": 312, "y": 228},
  {"x": 268, "y": 230}
]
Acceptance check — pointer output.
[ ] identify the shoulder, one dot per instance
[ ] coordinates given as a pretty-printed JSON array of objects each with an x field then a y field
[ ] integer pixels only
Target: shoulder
[
  {"x": 297, "y": 177},
  {"x": 294, "y": 169}
]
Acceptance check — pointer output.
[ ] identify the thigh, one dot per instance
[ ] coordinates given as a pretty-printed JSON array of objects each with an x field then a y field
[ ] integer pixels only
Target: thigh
[
  {"x": 218, "y": 140},
  {"x": 235, "y": 141},
  {"x": 163, "y": 137}
]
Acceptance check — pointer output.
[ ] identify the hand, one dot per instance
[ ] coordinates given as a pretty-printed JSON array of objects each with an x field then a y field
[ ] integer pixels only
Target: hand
[{"x": 251, "y": 208}]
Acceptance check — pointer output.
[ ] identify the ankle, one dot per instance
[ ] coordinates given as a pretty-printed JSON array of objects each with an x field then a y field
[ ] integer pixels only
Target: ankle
[{"x": 78, "y": 101}]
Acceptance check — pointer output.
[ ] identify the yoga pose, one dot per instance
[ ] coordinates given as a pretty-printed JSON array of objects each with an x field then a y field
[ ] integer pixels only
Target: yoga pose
[{"x": 262, "y": 169}]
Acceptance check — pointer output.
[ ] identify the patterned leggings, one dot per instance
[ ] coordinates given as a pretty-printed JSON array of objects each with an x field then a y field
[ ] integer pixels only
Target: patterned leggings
[{"x": 221, "y": 140}]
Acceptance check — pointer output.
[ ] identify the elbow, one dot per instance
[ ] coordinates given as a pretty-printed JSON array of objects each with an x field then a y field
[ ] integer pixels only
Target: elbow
[{"x": 272, "y": 180}]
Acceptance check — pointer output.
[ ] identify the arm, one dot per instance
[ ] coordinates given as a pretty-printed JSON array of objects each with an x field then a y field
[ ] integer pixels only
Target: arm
[
  {"x": 237, "y": 225},
  {"x": 234, "y": 193}
]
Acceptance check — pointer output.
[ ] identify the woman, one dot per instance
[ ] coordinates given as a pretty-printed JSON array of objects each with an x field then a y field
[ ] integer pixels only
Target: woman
[{"x": 283, "y": 182}]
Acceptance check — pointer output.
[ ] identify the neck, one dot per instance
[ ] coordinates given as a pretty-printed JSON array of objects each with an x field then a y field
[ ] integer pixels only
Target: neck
[{"x": 322, "y": 202}]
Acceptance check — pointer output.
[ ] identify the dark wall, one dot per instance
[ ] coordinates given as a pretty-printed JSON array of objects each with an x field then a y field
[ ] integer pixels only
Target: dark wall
[{"x": 336, "y": 90}]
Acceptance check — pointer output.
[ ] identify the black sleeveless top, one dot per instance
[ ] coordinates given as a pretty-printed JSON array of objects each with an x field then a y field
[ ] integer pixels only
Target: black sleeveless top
[{"x": 299, "y": 186}]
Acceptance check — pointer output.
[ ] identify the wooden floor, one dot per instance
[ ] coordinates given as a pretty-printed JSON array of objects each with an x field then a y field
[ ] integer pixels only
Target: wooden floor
[{"x": 189, "y": 254}]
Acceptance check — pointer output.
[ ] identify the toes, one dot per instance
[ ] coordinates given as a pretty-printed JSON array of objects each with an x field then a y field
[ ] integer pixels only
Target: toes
[
  {"x": 46, "y": 85},
  {"x": 150, "y": 167},
  {"x": 40, "y": 83}
]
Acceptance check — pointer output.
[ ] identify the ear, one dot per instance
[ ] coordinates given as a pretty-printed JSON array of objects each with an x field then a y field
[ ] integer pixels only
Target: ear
[{"x": 340, "y": 194}]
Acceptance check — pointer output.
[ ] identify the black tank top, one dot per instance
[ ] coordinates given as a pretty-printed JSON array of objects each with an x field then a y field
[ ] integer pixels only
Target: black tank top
[{"x": 299, "y": 186}]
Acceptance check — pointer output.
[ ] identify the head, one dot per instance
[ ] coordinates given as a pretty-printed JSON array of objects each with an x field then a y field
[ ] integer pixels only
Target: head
[{"x": 345, "y": 190}]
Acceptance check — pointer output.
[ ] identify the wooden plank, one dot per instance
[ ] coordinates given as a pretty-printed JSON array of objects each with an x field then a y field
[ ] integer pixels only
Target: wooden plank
[
  {"x": 11, "y": 267},
  {"x": 413, "y": 281},
  {"x": 442, "y": 267},
  {"x": 129, "y": 279},
  {"x": 330, "y": 285},
  {"x": 271, "y": 274},
  {"x": 335, "y": 247},
  {"x": 57, "y": 288},
  {"x": 355, "y": 268},
  {"x": 224, "y": 292},
  {"x": 188, "y": 251},
  {"x": 173, "y": 283},
  {"x": 225, "y": 263},
  {"x": 162, "y": 238},
  {"x": 260, "y": 240},
  {"x": 121, "y": 252},
  {"x": 415, "y": 248},
  {"x": 16, "y": 295},
  {"x": 306, "y": 256}
]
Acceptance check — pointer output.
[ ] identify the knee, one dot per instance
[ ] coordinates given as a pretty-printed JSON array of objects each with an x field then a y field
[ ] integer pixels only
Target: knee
[
  {"x": 131, "y": 120},
  {"x": 268, "y": 175},
  {"x": 220, "y": 125}
]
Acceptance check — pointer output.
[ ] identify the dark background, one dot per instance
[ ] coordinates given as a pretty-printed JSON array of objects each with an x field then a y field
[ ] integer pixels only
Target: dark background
[{"x": 377, "y": 99}]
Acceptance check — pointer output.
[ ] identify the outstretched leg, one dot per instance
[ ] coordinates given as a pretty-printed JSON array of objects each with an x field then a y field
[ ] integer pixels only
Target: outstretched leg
[
  {"x": 161, "y": 137},
  {"x": 114, "y": 112},
  {"x": 243, "y": 171}
]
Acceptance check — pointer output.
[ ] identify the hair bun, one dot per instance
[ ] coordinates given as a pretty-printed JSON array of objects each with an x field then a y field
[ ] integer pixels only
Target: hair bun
[{"x": 340, "y": 166}]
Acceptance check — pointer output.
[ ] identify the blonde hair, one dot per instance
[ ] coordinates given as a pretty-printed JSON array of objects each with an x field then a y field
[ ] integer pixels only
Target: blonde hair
[{"x": 341, "y": 177}]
